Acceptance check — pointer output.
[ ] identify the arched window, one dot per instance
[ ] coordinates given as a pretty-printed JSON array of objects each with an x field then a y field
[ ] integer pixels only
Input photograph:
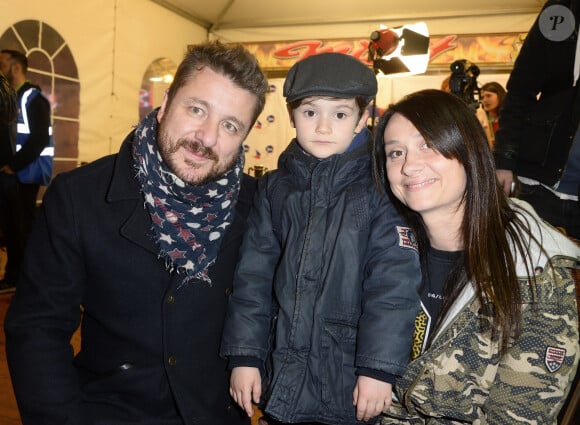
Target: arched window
[
  {"x": 51, "y": 65},
  {"x": 156, "y": 81}
]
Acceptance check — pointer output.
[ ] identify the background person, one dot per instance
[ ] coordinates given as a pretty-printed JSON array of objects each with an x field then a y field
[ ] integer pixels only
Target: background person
[
  {"x": 330, "y": 258},
  {"x": 492, "y": 96},
  {"x": 8, "y": 117},
  {"x": 498, "y": 335},
  {"x": 34, "y": 138},
  {"x": 145, "y": 242},
  {"x": 538, "y": 143}
]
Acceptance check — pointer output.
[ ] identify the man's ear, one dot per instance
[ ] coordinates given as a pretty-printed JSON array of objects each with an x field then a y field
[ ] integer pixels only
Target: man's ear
[{"x": 161, "y": 111}]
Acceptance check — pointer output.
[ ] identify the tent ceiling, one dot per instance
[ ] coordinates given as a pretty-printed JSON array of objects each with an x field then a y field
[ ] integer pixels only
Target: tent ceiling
[{"x": 215, "y": 15}]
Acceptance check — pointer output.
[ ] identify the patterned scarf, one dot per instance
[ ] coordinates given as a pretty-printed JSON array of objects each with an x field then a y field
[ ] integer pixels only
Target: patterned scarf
[{"x": 188, "y": 222}]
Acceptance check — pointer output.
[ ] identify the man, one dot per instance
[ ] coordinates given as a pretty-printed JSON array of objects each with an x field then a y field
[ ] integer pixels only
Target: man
[
  {"x": 20, "y": 184},
  {"x": 145, "y": 242},
  {"x": 537, "y": 139}
]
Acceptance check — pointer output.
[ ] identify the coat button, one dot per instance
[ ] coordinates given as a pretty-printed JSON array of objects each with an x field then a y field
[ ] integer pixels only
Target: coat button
[
  {"x": 171, "y": 360},
  {"x": 170, "y": 299},
  {"x": 228, "y": 292}
]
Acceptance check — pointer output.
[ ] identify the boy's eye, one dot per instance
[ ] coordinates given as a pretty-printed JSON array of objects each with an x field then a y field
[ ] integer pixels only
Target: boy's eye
[
  {"x": 309, "y": 113},
  {"x": 341, "y": 115}
]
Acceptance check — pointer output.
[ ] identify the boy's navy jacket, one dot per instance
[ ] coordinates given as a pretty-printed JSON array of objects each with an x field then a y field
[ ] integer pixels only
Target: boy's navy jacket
[{"x": 327, "y": 284}]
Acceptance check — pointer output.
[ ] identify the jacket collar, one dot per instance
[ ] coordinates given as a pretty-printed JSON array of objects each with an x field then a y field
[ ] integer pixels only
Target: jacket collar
[
  {"x": 124, "y": 184},
  {"x": 340, "y": 168}
]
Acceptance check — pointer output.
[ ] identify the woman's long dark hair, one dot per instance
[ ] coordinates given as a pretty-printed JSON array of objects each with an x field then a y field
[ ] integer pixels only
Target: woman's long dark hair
[{"x": 450, "y": 127}]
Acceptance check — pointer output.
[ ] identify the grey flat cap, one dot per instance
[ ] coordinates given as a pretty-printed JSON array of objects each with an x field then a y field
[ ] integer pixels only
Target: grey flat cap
[{"x": 330, "y": 74}]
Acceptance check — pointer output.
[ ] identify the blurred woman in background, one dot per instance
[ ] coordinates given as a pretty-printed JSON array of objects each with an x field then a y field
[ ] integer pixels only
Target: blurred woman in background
[{"x": 492, "y": 96}]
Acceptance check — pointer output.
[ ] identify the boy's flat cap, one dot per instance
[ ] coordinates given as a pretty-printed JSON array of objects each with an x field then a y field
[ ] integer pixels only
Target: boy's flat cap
[{"x": 330, "y": 74}]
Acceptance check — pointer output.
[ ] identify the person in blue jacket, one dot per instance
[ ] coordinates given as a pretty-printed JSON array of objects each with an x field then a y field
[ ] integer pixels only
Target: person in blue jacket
[{"x": 325, "y": 295}]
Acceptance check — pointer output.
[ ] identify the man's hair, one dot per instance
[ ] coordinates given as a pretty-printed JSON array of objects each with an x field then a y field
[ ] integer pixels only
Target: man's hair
[
  {"x": 17, "y": 57},
  {"x": 232, "y": 61}
]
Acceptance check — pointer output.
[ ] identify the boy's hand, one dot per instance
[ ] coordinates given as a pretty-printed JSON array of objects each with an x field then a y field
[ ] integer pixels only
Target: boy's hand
[
  {"x": 245, "y": 386},
  {"x": 371, "y": 397}
]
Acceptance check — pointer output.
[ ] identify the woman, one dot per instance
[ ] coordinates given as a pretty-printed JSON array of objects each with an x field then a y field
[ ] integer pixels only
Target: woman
[
  {"x": 497, "y": 341},
  {"x": 492, "y": 95}
]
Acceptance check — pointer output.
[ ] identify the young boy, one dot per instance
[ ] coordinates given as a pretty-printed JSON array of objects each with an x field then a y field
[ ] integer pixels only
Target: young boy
[{"x": 321, "y": 318}]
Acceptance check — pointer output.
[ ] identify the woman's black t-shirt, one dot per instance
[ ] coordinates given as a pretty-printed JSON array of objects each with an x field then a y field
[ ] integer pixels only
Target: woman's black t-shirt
[{"x": 437, "y": 269}]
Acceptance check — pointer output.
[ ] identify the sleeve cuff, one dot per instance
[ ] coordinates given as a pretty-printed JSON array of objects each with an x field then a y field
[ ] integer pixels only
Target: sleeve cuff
[
  {"x": 377, "y": 374},
  {"x": 244, "y": 361}
]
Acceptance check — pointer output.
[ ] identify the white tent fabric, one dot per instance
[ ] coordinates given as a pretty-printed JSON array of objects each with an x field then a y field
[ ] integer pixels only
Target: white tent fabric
[
  {"x": 114, "y": 41},
  {"x": 259, "y": 20}
]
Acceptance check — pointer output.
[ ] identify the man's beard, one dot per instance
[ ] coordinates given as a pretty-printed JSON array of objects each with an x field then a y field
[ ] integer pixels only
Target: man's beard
[{"x": 168, "y": 148}]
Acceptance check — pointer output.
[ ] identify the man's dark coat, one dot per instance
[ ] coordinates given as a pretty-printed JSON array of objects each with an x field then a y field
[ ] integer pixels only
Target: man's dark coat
[{"x": 149, "y": 351}]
